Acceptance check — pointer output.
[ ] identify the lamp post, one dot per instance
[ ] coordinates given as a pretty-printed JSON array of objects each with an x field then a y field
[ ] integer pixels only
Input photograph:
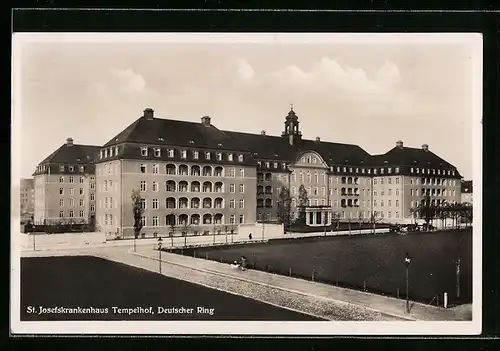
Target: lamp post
[
  {"x": 262, "y": 231},
  {"x": 407, "y": 264},
  {"x": 159, "y": 253},
  {"x": 135, "y": 237},
  {"x": 33, "y": 232}
]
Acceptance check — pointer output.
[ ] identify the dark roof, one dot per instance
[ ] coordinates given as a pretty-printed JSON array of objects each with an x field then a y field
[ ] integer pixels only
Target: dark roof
[
  {"x": 412, "y": 157},
  {"x": 467, "y": 186},
  {"x": 179, "y": 133},
  {"x": 75, "y": 154},
  {"x": 336, "y": 153},
  {"x": 265, "y": 147}
]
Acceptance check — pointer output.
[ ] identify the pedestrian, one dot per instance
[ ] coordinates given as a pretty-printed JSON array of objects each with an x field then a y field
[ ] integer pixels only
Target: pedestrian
[
  {"x": 250, "y": 236},
  {"x": 243, "y": 263}
]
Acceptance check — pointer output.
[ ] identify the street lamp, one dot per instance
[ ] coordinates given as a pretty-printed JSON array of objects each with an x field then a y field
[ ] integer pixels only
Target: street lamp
[
  {"x": 159, "y": 253},
  {"x": 135, "y": 236},
  {"x": 32, "y": 227},
  {"x": 407, "y": 264}
]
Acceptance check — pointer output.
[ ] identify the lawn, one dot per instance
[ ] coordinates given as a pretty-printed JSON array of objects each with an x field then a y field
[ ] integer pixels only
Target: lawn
[
  {"x": 84, "y": 281},
  {"x": 371, "y": 262}
]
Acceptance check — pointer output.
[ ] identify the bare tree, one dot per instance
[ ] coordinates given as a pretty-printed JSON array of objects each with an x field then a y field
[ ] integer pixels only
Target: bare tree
[
  {"x": 184, "y": 228},
  {"x": 303, "y": 202},
  {"x": 284, "y": 207},
  {"x": 172, "y": 226},
  {"x": 138, "y": 211}
]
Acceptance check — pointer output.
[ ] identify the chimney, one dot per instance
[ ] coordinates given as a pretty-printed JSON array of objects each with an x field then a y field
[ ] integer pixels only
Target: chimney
[
  {"x": 149, "y": 113},
  {"x": 69, "y": 141},
  {"x": 425, "y": 147},
  {"x": 205, "y": 120},
  {"x": 263, "y": 132},
  {"x": 399, "y": 144},
  {"x": 318, "y": 139}
]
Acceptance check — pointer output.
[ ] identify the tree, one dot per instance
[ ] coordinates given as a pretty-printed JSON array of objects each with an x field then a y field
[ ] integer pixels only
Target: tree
[
  {"x": 303, "y": 202},
  {"x": 184, "y": 228},
  {"x": 284, "y": 207},
  {"x": 336, "y": 219},
  {"x": 171, "y": 226},
  {"x": 360, "y": 219},
  {"x": 374, "y": 219},
  {"x": 426, "y": 210},
  {"x": 138, "y": 211}
]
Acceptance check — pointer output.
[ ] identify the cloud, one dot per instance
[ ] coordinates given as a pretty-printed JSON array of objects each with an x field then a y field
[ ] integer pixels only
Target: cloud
[
  {"x": 244, "y": 70},
  {"x": 119, "y": 81}
]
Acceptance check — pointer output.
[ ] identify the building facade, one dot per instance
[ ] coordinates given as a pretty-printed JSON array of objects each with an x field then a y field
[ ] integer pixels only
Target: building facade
[
  {"x": 27, "y": 199},
  {"x": 193, "y": 177},
  {"x": 64, "y": 185},
  {"x": 466, "y": 192}
]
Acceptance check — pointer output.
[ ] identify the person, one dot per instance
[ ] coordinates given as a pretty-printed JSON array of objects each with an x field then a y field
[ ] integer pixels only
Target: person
[
  {"x": 250, "y": 236},
  {"x": 243, "y": 263}
]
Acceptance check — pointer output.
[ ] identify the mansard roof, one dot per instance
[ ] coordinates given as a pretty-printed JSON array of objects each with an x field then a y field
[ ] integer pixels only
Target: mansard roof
[
  {"x": 170, "y": 132},
  {"x": 72, "y": 154},
  {"x": 411, "y": 157}
]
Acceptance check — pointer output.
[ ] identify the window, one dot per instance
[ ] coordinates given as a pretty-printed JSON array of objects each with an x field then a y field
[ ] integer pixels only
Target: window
[
  {"x": 143, "y": 203},
  {"x": 397, "y": 170},
  {"x": 275, "y": 164},
  {"x": 242, "y": 188},
  {"x": 61, "y": 202},
  {"x": 81, "y": 202},
  {"x": 61, "y": 191},
  {"x": 196, "y": 155},
  {"x": 143, "y": 168},
  {"x": 268, "y": 164},
  {"x": 411, "y": 192},
  {"x": 207, "y": 155},
  {"x": 61, "y": 168},
  {"x": 231, "y": 188},
  {"x": 157, "y": 152},
  {"x": 72, "y": 191},
  {"x": 156, "y": 169},
  {"x": 81, "y": 180},
  {"x": 143, "y": 221},
  {"x": 397, "y": 180},
  {"x": 219, "y": 156},
  {"x": 61, "y": 214},
  {"x": 232, "y": 203},
  {"x": 155, "y": 186},
  {"x": 81, "y": 213},
  {"x": 241, "y": 203},
  {"x": 105, "y": 185},
  {"x": 397, "y": 214},
  {"x": 143, "y": 185},
  {"x": 92, "y": 197},
  {"x": 389, "y": 203},
  {"x": 71, "y": 179},
  {"x": 92, "y": 208},
  {"x": 155, "y": 204},
  {"x": 61, "y": 179},
  {"x": 144, "y": 151},
  {"x": 81, "y": 191},
  {"x": 155, "y": 221},
  {"x": 389, "y": 180},
  {"x": 374, "y": 180},
  {"x": 397, "y": 192},
  {"x": 232, "y": 172},
  {"x": 242, "y": 172},
  {"x": 71, "y": 214},
  {"x": 397, "y": 203},
  {"x": 171, "y": 152},
  {"x": 183, "y": 154}
]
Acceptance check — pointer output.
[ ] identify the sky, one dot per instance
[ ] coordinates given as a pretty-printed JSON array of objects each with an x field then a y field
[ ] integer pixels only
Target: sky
[{"x": 366, "y": 92}]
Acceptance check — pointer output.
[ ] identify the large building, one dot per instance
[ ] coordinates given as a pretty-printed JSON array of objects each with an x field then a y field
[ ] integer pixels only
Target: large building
[
  {"x": 194, "y": 174},
  {"x": 64, "y": 185},
  {"x": 27, "y": 199},
  {"x": 205, "y": 179}
]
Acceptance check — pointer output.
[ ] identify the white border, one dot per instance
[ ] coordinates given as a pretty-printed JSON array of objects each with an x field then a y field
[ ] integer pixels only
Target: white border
[{"x": 251, "y": 328}]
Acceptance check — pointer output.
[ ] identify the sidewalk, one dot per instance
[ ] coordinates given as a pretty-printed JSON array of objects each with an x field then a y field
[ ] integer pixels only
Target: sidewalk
[{"x": 383, "y": 304}]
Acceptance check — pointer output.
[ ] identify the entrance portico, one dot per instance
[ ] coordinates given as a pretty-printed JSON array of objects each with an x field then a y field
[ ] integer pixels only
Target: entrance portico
[{"x": 316, "y": 216}]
